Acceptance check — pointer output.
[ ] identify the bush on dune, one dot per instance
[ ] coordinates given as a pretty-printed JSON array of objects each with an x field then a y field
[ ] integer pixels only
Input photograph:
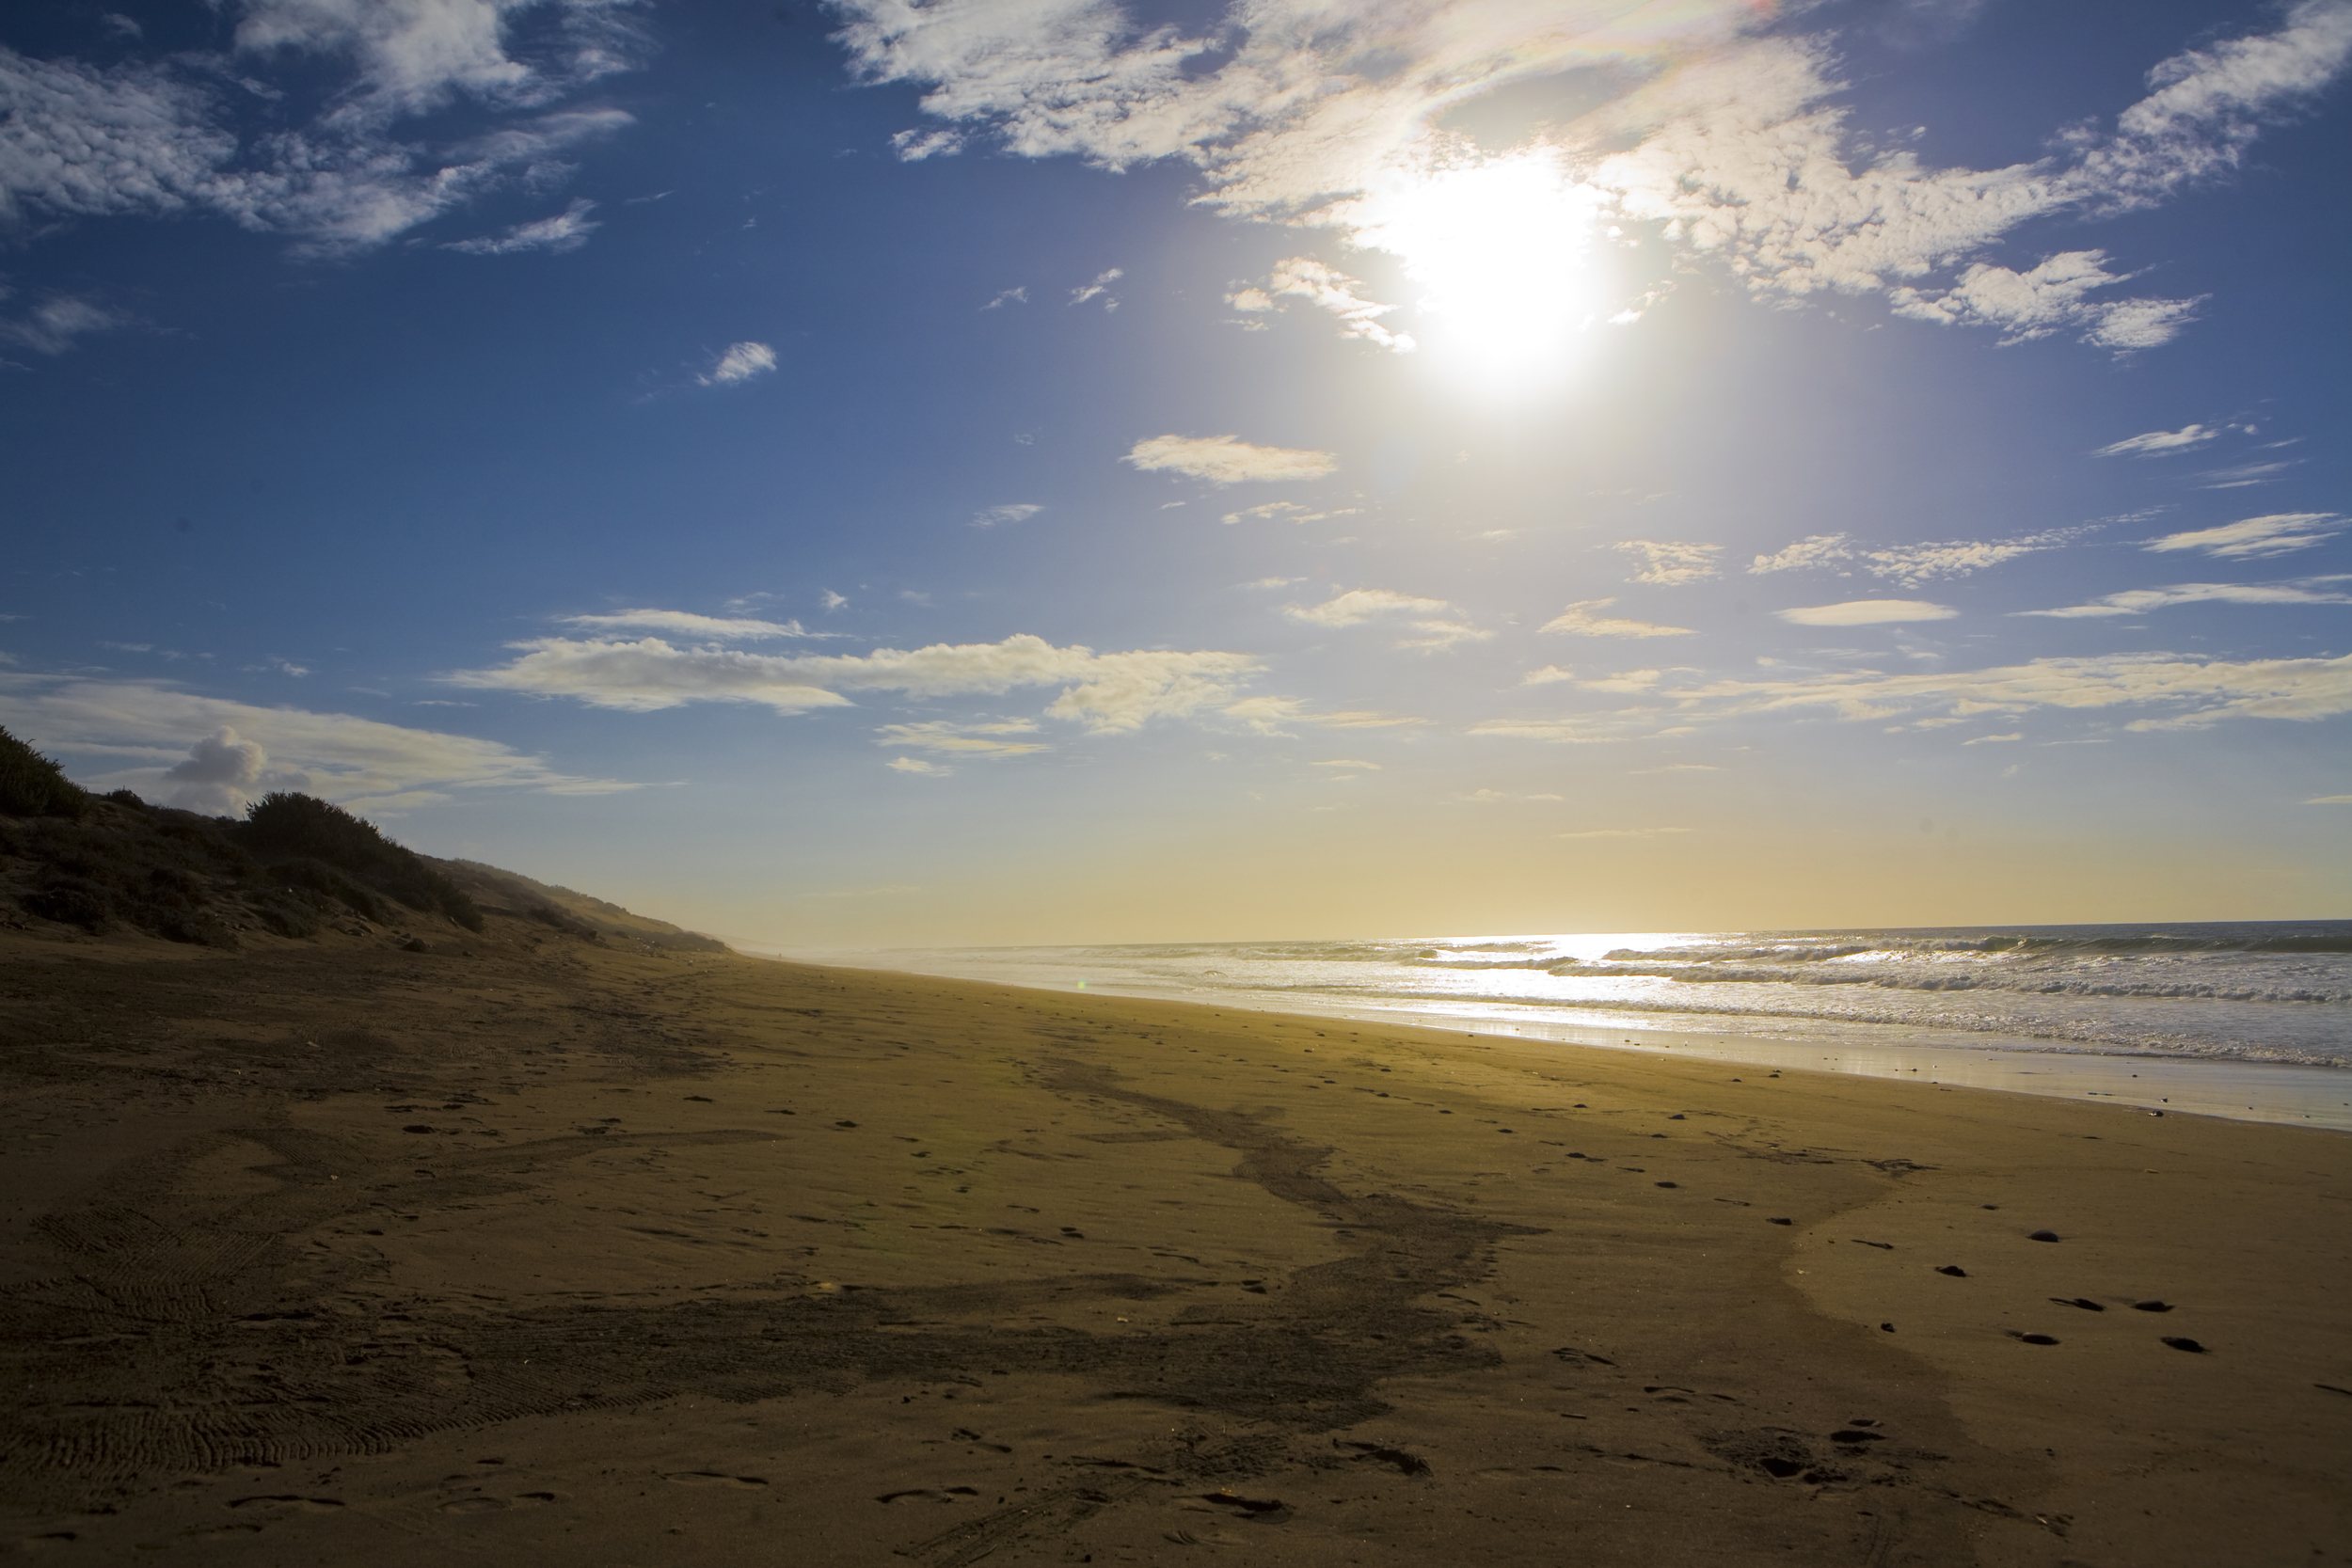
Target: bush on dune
[
  {"x": 33, "y": 786},
  {"x": 282, "y": 826}
]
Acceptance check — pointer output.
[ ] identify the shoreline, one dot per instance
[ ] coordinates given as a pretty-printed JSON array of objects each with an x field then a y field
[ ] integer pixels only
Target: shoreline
[{"x": 2277, "y": 1093}]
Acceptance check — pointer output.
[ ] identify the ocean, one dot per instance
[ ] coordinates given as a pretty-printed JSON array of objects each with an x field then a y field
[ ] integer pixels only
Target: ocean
[{"x": 2138, "y": 1004}]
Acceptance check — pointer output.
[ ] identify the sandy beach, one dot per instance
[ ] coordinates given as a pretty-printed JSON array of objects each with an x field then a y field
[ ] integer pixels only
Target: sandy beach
[{"x": 534, "y": 1248}]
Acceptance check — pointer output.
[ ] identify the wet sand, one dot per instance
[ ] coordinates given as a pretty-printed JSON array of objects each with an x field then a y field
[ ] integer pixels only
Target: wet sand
[{"x": 531, "y": 1248}]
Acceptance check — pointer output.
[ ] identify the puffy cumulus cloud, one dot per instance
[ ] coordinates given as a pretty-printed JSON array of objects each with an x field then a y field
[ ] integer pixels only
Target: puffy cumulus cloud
[
  {"x": 1359, "y": 605},
  {"x": 1671, "y": 563},
  {"x": 1584, "y": 619},
  {"x": 981, "y": 740},
  {"x": 1228, "y": 459},
  {"x": 1326, "y": 289},
  {"x": 175, "y": 745},
  {"x": 2250, "y": 538},
  {"x": 2155, "y": 443},
  {"x": 53, "y": 326},
  {"x": 1867, "y": 612},
  {"x": 223, "y": 774},
  {"x": 685, "y": 622},
  {"x": 1107, "y": 692},
  {"x": 168, "y": 137},
  {"x": 740, "y": 363},
  {"x": 1728, "y": 140},
  {"x": 2138, "y": 601},
  {"x": 2023, "y": 306},
  {"x": 567, "y": 230}
]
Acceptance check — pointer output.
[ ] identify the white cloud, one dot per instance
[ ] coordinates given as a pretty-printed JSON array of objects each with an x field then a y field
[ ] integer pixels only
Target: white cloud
[
  {"x": 1868, "y": 612},
  {"x": 1228, "y": 459},
  {"x": 1438, "y": 636},
  {"x": 1550, "y": 674},
  {"x": 917, "y": 766},
  {"x": 1327, "y": 289},
  {"x": 740, "y": 362},
  {"x": 1359, "y": 605},
  {"x": 1107, "y": 692},
  {"x": 1009, "y": 296},
  {"x": 567, "y": 230},
  {"x": 2156, "y": 442},
  {"x": 983, "y": 739},
  {"x": 2251, "y": 538},
  {"x": 1267, "y": 715},
  {"x": 1910, "y": 564},
  {"x": 1347, "y": 762},
  {"x": 1288, "y": 511},
  {"x": 161, "y": 140},
  {"x": 832, "y": 600},
  {"x": 1995, "y": 739},
  {"x": 2329, "y": 801},
  {"x": 1671, "y": 563},
  {"x": 2138, "y": 601},
  {"x": 51, "y": 326},
  {"x": 162, "y": 739},
  {"x": 1819, "y": 549},
  {"x": 1580, "y": 620},
  {"x": 1103, "y": 280},
  {"x": 1727, "y": 142},
  {"x": 913, "y": 146},
  {"x": 1017, "y": 512},
  {"x": 222, "y": 775},
  {"x": 2027, "y": 305},
  {"x": 723, "y": 628},
  {"x": 2203, "y": 690}
]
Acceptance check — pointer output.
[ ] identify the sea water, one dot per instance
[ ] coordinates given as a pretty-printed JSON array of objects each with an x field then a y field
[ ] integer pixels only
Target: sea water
[{"x": 2253, "y": 1011}]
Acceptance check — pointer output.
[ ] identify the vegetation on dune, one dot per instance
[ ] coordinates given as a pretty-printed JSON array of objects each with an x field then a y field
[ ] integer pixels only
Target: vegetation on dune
[
  {"x": 301, "y": 827},
  {"x": 33, "y": 786}
]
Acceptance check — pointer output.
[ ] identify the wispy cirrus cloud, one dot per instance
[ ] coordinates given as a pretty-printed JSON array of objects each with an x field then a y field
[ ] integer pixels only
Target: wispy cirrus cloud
[
  {"x": 982, "y": 739},
  {"x": 2139, "y": 601},
  {"x": 2158, "y": 443},
  {"x": 1106, "y": 692},
  {"x": 167, "y": 136},
  {"x": 57, "y": 323},
  {"x": 1015, "y": 511},
  {"x": 1228, "y": 459},
  {"x": 1867, "y": 612},
  {"x": 2251, "y": 538},
  {"x": 723, "y": 628},
  {"x": 1910, "y": 566},
  {"x": 1267, "y": 715},
  {"x": 740, "y": 363},
  {"x": 567, "y": 230},
  {"x": 1584, "y": 619},
  {"x": 1327, "y": 289},
  {"x": 170, "y": 743},
  {"x": 1359, "y": 605}
]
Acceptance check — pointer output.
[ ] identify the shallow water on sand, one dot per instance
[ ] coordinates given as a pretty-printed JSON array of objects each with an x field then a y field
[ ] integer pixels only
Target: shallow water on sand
[{"x": 2251, "y": 1020}]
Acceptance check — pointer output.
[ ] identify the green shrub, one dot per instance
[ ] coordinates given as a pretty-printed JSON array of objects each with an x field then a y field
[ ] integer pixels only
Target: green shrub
[
  {"x": 283, "y": 825},
  {"x": 32, "y": 786}
]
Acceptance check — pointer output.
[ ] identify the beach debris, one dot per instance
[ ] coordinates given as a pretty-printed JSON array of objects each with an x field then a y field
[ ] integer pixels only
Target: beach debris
[
  {"x": 2151, "y": 1306},
  {"x": 1571, "y": 1354},
  {"x": 1665, "y": 1183},
  {"x": 2084, "y": 1301},
  {"x": 1886, "y": 1328},
  {"x": 1780, "y": 1222},
  {"x": 415, "y": 1127},
  {"x": 2182, "y": 1342},
  {"x": 2042, "y": 1236},
  {"x": 1852, "y": 1434},
  {"x": 1268, "y": 1509},
  {"x": 1883, "y": 1246},
  {"x": 1954, "y": 1269},
  {"x": 2033, "y": 1338}
]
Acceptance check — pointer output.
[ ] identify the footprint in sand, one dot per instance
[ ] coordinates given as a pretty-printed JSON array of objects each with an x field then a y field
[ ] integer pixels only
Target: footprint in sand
[
  {"x": 712, "y": 1478},
  {"x": 2181, "y": 1341}
]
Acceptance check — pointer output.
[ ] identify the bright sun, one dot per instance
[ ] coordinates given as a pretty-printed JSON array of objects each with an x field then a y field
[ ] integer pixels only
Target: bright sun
[{"x": 1502, "y": 245}]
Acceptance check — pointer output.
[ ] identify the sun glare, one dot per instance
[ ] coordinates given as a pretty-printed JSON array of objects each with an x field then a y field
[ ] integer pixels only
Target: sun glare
[{"x": 1503, "y": 247}]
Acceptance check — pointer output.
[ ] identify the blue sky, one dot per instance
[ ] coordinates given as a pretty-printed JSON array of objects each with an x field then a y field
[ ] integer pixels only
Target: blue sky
[{"x": 1041, "y": 470}]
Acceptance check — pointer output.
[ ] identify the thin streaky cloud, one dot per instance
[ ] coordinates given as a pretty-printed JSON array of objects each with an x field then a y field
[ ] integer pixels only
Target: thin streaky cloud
[
  {"x": 686, "y": 623},
  {"x": 740, "y": 363},
  {"x": 1867, "y": 612},
  {"x": 2138, "y": 601},
  {"x": 1359, "y": 605},
  {"x": 1228, "y": 459},
  {"x": 2251, "y": 538},
  {"x": 567, "y": 230},
  {"x": 1671, "y": 563},
  {"x": 1582, "y": 619},
  {"x": 2156, "y": 443}
]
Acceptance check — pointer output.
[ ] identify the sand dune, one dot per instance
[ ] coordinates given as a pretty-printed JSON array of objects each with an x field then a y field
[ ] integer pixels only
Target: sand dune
[{"x": 332, "y": 1252}]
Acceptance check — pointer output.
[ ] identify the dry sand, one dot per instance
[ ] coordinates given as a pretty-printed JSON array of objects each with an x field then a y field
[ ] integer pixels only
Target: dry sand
[{"x": 536, "y": 1251}]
